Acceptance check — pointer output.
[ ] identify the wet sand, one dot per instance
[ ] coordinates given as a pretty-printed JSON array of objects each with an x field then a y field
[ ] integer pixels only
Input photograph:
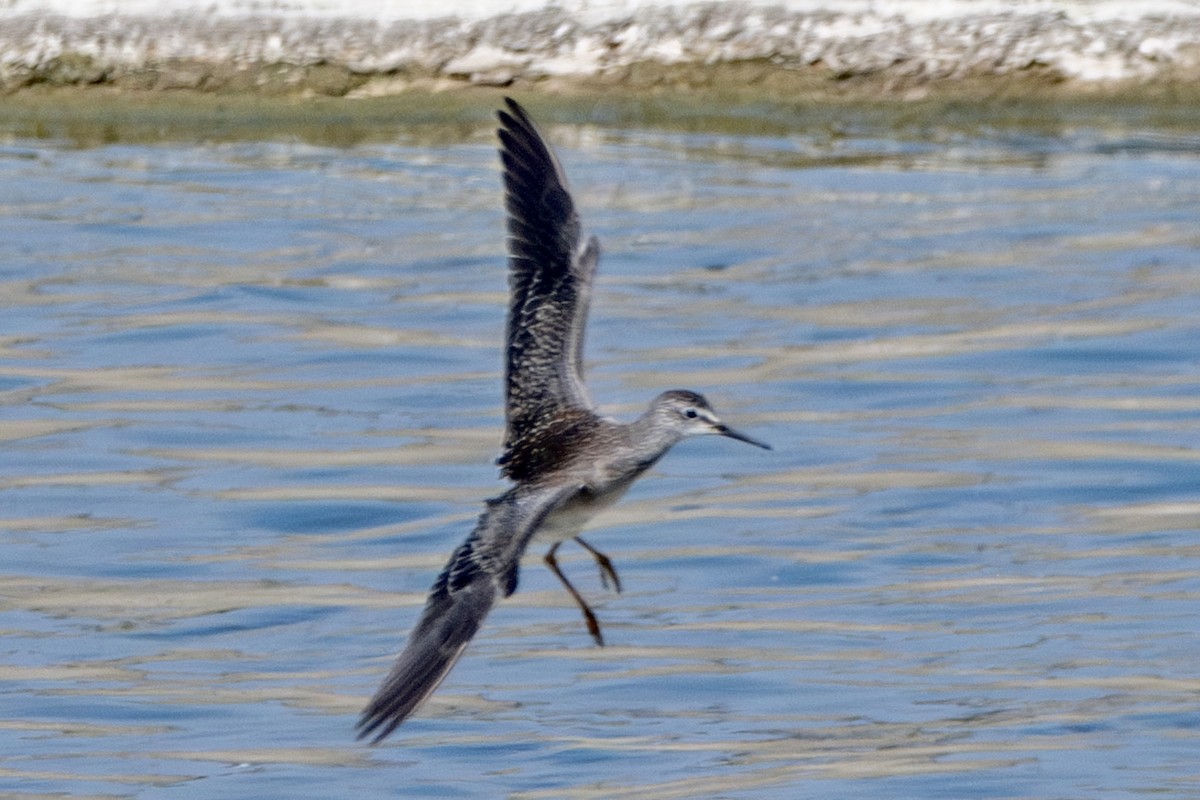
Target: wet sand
[{"x": 778, "y": 104}]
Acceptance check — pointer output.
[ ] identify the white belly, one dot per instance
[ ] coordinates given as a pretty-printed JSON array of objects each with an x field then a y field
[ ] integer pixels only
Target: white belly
[{"x": 569, "y": 521}]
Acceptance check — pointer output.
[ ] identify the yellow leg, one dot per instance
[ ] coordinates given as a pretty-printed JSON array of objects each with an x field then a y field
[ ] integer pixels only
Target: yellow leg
[
  {"x": 593, "y": 625},
  {"x": 607, "y": 570}
]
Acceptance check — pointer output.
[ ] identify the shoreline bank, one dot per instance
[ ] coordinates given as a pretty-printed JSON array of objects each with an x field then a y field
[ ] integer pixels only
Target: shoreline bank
[{"x": 895, "y": 47}]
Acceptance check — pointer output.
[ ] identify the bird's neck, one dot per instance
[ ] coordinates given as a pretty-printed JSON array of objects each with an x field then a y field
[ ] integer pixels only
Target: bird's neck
[{"x": 649, "y": 440}]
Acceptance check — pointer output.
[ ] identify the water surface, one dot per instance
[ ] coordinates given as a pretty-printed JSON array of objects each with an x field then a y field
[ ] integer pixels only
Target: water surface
[{"x": 249, "y": 399}]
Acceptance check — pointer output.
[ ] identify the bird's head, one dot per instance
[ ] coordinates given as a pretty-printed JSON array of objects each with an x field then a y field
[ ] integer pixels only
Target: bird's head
[{"x": 689, "y": 414}]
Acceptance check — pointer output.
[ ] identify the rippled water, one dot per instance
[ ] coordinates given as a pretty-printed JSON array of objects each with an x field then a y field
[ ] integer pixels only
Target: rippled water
[{"x": 249, "y": 397}]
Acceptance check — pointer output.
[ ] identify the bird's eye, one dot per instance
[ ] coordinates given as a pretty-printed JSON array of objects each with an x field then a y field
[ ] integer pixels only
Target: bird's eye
[{"x": 691, "y": 413}]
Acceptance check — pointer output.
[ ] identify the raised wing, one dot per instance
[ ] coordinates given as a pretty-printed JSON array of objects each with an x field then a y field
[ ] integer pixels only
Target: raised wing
[
  {"x": 485, "y": 564},
  {"x": 550, "y": 279}
]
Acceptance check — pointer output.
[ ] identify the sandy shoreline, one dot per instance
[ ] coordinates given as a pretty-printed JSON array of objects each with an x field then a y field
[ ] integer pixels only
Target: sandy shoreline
[{"x": 894, "y": 47}]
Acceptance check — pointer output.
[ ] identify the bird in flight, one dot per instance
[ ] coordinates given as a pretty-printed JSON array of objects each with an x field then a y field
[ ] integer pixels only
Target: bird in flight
[{"x": 566, "y": 461}]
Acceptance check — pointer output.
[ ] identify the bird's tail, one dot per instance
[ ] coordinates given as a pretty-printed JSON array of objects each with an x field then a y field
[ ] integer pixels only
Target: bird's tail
[{"x": 455, "y": 610}]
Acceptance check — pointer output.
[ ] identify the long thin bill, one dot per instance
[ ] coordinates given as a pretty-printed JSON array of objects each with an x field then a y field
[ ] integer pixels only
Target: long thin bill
[{"x": 725, "y": 430}]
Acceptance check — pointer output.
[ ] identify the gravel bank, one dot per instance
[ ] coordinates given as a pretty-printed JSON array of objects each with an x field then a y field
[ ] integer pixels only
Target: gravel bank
[{"x": 903, "y": 42}]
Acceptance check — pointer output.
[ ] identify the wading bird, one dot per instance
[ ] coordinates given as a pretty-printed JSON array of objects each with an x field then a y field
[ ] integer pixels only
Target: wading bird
[{"x": 566, "y": 461}]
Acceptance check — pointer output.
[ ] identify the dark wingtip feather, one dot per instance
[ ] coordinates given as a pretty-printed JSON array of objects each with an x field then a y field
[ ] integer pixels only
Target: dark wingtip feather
[
  {"x": 449, "y": 622},
  {"x": 516, "y": 108}
]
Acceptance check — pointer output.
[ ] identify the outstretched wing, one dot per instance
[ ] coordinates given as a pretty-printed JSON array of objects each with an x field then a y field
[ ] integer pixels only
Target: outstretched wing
[
  {"x": 486, "y": 563},
  {"x": 550, "y": 279}
]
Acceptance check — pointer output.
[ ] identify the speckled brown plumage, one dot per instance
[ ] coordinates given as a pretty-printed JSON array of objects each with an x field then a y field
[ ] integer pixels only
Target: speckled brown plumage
[{"x": 549, "y": 278}]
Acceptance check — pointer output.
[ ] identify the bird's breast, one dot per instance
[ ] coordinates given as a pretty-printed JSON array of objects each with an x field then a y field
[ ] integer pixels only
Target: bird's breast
[{"x": 568, "y": 521}]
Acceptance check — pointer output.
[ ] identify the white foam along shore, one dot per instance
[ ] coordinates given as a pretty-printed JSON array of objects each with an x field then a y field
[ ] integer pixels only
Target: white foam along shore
[{"x": 172, "y": 41}]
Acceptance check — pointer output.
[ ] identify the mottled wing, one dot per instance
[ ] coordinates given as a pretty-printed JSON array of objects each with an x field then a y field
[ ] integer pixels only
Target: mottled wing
[
  {"x": 485, "y": 565},
  {"x": 550, "y": 277}
]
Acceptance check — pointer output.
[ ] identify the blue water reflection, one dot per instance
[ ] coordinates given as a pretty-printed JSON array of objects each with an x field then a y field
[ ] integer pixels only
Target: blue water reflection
[{"x": 251, "y": 397}]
